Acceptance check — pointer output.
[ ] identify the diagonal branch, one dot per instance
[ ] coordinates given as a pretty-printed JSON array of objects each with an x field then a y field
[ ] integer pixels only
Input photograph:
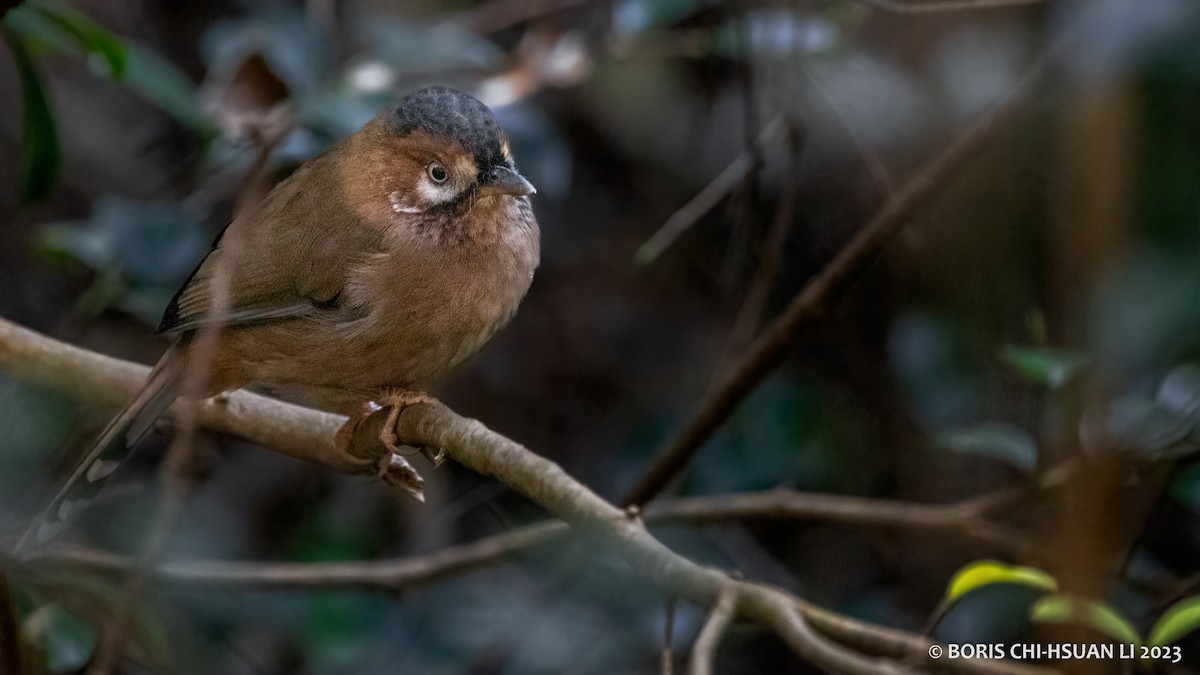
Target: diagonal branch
[
  {"x": 829, "y": 640},
  {"x": 815, "y": 298}
]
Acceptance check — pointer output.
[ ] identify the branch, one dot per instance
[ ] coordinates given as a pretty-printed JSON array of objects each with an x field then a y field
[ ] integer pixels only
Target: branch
[
  {"x": 706, "y": 643},
  {"x": 814, "y": 299},
  {"x": 709, "y": 196},
  {"x": 963, "y": 520},
  {"x": 817, "y": 635},
  {"x": 293, "y": 430}
]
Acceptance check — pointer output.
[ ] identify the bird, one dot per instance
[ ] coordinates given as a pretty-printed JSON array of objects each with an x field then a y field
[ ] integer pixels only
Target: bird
[{"x": 365, "y": 277}]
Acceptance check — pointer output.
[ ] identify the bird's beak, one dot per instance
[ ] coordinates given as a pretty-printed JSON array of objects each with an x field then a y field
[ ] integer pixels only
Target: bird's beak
[{"x": 502, "y": 180}]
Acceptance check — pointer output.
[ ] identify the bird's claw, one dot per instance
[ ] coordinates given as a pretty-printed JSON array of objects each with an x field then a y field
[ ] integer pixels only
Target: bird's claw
[
  {"x": 391, "y": 440},
  {"x": 398, "y": 473}
]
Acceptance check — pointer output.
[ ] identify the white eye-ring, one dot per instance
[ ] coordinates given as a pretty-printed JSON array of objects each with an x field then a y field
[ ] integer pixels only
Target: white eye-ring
[{"x": 437, "y": 173}]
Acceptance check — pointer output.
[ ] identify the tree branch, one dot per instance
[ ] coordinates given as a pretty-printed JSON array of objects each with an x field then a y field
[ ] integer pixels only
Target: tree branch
[
  {"x": 706, "y": 643},
  {"x": 817, "y": 634},
  {"x": 293, "y": 430},
  {"x": 814, "y": 299}
]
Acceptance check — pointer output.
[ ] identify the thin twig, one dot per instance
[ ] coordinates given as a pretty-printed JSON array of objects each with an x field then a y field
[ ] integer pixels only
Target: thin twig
[
  {"x": 958, "y": 521},
  {"x": 869, "y": 157},
  {"x": 707, "y": 198},
  {"x": 177, "y": 473},
  {"x": 751, "y": 311},
  {"x": 704, "y": 653},
  {"x": 798, "y": 633},
  {"x": 768, "y": 351}
]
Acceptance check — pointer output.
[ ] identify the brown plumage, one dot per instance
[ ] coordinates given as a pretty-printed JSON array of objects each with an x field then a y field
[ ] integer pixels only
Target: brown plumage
[{"x": 376, "y": 267}]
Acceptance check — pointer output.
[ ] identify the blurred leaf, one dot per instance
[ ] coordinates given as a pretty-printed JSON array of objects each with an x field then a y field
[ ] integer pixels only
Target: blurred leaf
[
  {"x": 1136, "y": 422},
  {"x": 1180, "y": 392},
  {"x": 141, "y": 252},
  {"x": 41, "y": 155},
  {"x": 405, "y": 45},
  {"x": 1066, "y": 609},
  {"x": 39, "y": 32},
  {"x": 940, "y": 379},
  {"x": 140, "y": 69},
  {"x": 66, "y": 640},
  {"x": 291, "y": 44},
  {"x": 35, "y": 422},
  {"x": 161, "y": 83},
  {"x": 91, "y": 36},
  {"x": 154, "y": 243},
  {"x": 986, "y": 572},
  {"x": 994, "y": 613},
  {"x": 95, "y": 600},
  {"x": 995, "y": 440},
  {"x": 1182, "y": 618},
  {"x": 1046, "y": 366},
  {"x": 633, "y": 17}
]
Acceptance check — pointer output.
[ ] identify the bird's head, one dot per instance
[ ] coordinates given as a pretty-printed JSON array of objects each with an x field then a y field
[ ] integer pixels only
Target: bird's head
[{"x": 452, "y": 154}]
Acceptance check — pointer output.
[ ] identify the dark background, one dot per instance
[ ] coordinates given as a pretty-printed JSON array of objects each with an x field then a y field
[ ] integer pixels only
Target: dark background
[{"x": 1058, "y": 274}]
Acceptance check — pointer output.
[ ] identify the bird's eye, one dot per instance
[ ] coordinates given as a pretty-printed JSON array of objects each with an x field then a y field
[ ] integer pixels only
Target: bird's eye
[{"x": 437, "y": 172}]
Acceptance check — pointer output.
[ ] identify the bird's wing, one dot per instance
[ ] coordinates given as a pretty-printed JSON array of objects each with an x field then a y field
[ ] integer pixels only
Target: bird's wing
[{"x": 288, "y": 258}]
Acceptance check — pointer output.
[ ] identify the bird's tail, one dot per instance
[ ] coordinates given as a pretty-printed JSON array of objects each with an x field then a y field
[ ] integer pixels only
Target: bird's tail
[{"x": 111, "y": 448}]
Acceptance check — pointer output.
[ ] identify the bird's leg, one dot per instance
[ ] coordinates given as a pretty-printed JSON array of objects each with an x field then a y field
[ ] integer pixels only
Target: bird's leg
[{"x": 399, "y": 400}]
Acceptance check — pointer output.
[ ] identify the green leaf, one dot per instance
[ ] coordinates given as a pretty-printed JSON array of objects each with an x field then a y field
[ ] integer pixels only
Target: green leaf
[
  {"x": 89, "y": 35},
  {"x": 66, "y": 640},
  {"x": 996, "y": 440},
  {"x": 984, "y": 572},
  {"x": 41, "y": 154},
  {"x": 1182, "y": 618},
  {"x": 1062, "y": 608},
  {"x": 53, "y": 27},
  {"x": 1049, "y": 367}
]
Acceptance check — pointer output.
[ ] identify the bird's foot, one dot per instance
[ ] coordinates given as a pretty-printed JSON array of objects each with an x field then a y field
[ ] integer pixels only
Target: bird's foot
[
  {"x": 398, "y": 401},
  {"x": 398, "y": 473},
  {"x": 390, "y": 467}
]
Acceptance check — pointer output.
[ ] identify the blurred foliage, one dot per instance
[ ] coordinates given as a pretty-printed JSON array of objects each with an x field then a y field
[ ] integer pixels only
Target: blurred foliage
[
  {"x": 1023, "y": 321},
  {"x": 988, "y": 602}
]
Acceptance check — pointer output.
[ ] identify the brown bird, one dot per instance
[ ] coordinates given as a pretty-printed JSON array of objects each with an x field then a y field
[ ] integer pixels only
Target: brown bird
[{"x": 370, "y": 272}]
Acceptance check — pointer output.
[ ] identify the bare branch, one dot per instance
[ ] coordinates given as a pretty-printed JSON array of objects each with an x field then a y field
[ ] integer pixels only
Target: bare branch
[
  {"x": 306, "y": 434},
  {"x": 299, "y": 432},
  {"x": 961, "y": 520},
  {"x": 706, "y": 643},
  {"x": 32, "y": 357},
  {"x": 707, "y": 198},
  {"x": 767, "y": 352}
]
